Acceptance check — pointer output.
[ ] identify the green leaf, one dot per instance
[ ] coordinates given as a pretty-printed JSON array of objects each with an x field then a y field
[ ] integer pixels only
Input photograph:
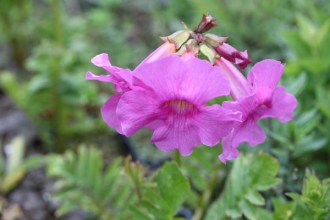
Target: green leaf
[
  {"x": 82, "y": 183},
  {"x": 14, "y": 169},
  {"x": 255, "y": 198},
  {"x": 250, "y": 174},
  {"x": 173, "y": 186},
  {"x": 297, "y": 44},
  {"x": 15, "y": 158},
  {"x": 283, "y": 210},
  {"x": 314, "y": 201}
]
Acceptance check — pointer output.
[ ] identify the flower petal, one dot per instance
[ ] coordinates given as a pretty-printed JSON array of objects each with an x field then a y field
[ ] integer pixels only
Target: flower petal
[
  {"x": 206, "y": 81},
  {"x": 215, "y": 122},
  {"x": 248, "y": 131},
  {"x": 166, "y": 49},
  {"x": 245, "y": 105},
  {"x": 180, "y": 135},
  {"x": 265, "y": 74},
  {"x": 283, "y": 105},
  {"x": 194, "y": 80},
  {"x": 102, "y": 60},
  {"x": 108, "y": 112},
  {"x": 122, "y": 80},
  {"x": 103, "y": 78},
  {"x": 238, "y": 83},
  {"x": 135, "y": 110},
  {"x": 229, "y": 152}
]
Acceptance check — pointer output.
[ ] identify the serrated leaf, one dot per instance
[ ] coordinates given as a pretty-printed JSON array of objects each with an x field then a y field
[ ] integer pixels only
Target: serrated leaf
[
  {"x": 249, "y": 210},
  {"x": 283, "y": 210},
  {"x": 255, "y": 198},
  {"x": 314, "y": 201},
  {"x": 250, "y": 174},
  {"x": 173, "y": 186}
]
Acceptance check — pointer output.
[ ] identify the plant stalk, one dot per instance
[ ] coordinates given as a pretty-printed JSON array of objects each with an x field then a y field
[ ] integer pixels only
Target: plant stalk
[
  {"x": 58, "y": 119},
  {"x": 177, "y": 157}
]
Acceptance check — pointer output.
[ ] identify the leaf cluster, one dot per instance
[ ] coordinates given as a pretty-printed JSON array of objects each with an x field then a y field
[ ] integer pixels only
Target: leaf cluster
[{"x": 118, "y": 190}]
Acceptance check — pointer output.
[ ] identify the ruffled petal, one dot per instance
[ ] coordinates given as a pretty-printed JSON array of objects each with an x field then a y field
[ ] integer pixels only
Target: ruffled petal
[
  {"x": 245, "y": 105},
  {"x": 264, "y": 77},
  {"x": 136, "y": 109},
  {"x": 103, "y": 78},
  {"x": 102, "y": 60},
  {"x": 122, "y": 80},
  {"x": 215, "y": 122},
  {"x": 184, "y": 133},
  {"x": 229, "y": 152},
  {"x": 108, "y": 112},
  {"x": 194, "y": 80},
  {"x": 184, "y": 138},
  {"x": 248, "y": 131},
  {"x": 282, "y": 105}
]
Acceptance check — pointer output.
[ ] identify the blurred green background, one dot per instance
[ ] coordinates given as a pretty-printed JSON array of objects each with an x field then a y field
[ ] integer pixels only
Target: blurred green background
[{"x": 46, "y": 47}]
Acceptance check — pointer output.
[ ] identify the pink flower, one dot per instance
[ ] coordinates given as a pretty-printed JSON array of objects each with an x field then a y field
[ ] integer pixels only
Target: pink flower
[
  {"x": 170, "y": 96},
  {"x": 122, "y": 80},
  {"x": 256, "y": 97}
]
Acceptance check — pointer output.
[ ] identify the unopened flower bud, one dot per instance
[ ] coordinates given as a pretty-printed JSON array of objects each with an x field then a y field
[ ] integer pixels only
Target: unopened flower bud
[
  {"x": 206, "y": 24},
  {"x": 233, "y": 55}
]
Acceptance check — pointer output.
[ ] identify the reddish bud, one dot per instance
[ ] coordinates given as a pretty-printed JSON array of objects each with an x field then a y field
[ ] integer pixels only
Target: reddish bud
[
  {"x": 206, "y": 24},
  {"x": 233, "y": 55}
]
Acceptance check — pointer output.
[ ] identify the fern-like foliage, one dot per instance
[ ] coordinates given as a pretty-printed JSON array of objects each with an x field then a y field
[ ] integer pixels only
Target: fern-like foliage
[
  {"x": 84, "y": 182},
  {"x": 120, "y": 191},
  {"x": 161, "y": 195}
]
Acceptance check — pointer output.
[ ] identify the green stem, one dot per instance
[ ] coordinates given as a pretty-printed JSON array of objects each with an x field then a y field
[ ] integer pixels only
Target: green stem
[
  {"x": 57, "y": 21},
  {"x": 205, "y": 198},
  {"x": 58, "y": 120},
  {"x": 137, "y": 188},
  {"x": 177, "y": 157}
]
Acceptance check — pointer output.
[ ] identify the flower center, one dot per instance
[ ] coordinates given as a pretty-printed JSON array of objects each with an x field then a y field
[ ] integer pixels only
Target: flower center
[{"x": 179, "y": 106}]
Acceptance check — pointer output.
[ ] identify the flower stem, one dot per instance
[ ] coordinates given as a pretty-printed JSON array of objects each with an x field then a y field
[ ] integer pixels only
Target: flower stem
[
  {"x": 177, "y": 157},
  {"x": 205, "y": 198}
]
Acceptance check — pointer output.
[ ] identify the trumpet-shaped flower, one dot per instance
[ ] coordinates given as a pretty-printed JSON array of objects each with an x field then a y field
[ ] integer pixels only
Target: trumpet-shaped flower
[
  {"x": 169, "y": 97},
  {"x": 122, "y": 80},
  {"x": 256, "y": 97}
]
